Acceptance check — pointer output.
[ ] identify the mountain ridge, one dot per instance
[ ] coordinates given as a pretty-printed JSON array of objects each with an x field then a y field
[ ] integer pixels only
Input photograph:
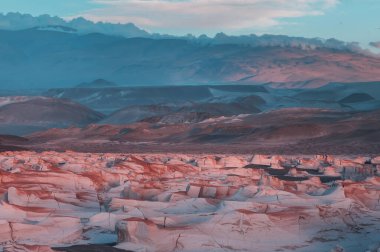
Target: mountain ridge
[
  {"x": 40, "y": 58},
  {"x": 18, "y": 21},
  {"x": 80, "y": 25}
]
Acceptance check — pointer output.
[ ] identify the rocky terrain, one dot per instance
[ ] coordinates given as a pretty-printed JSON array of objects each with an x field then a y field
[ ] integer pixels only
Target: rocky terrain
[{"x": 177, "y": 202}]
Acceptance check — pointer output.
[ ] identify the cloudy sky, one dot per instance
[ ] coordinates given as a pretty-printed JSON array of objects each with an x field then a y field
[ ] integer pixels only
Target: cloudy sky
[{"x": 349, "y": 20}]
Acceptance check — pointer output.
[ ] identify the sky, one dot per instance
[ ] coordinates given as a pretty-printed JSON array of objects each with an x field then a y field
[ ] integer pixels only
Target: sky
[{"x": 347, "y": 20}]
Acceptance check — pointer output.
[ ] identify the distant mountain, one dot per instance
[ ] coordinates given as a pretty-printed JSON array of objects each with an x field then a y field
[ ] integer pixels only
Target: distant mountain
[
  {"x": 35, "y": 58},
  {"x": 99, "y": 83},
  {"x": 80, "y": 25},
  {"x": 17, "y": 21}
]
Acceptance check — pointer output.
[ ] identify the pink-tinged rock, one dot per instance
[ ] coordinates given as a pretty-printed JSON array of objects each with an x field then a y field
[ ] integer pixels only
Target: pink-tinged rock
[
  {"x": 221, "y": 192},
  {"x": 233, "y": 190},
  {"x": 361, "y": 160},
  {"x": 208, "y": 192},
  {"x": 178, "y": 196},
  {"x": 136, "y": 230},
  {"x": 122, "y": 231},
  {"x": 293, "y": 172},
  {"x": 331, "y": 171},
  {"x": 175, "y": 161},
  {"x": 48, "y": 231},
  {"x": 376, "y": 160},
  {"x": 53, "y": 200},
  {"x": 316, "y": 181},
  {"x": 194, "y": 191},
  {"x": 5, "y": 231},
  {"x": 347, "y": 163},
  {"x": 178, "y": 206},
  {"x": 164, "y": 197},
  {"x": 309, "y": 163},
  {"x": 130, "y": 192},
  {"x": 178, "y": 174},
  {"x": 240, "y": 172},
  {"x": 207, "y": 162},
  {"x": 105, "y": 220},
  {"x": 13, "y": 247},
  {"x": 232, "y": 161},
  {"x": 28, "y": 199},
  {"x": 261, "y": 160}
]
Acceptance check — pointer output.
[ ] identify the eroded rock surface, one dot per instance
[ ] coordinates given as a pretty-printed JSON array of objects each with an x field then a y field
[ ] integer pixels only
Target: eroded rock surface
[{"x": 176, "y": 202}]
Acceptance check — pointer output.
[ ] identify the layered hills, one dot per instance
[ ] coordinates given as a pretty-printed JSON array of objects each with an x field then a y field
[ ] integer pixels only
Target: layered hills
[{"x": 336, "y": 118}]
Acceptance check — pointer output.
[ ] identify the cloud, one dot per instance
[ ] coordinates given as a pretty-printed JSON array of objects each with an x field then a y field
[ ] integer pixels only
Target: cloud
[
  {"x": 375, "y": 44},
  {"x": 205, "y": 15}
]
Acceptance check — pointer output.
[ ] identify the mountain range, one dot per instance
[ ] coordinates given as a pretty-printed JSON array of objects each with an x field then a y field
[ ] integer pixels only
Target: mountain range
[
  {"x": 48, "y": 52},
  {"x": 80, "y": 25},
  {"x": 17, "y": 21},
  {"x": 35, "y": 58}
]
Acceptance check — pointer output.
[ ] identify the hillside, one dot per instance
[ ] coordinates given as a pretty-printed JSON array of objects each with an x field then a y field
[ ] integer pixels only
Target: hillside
[
  {"x": 290, "y": 131},
  {"x": 22, "y": 115}
]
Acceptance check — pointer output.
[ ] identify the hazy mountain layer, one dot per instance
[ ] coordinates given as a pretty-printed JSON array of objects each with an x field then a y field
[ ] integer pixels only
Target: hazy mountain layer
[{"x": 37, "y": 58}]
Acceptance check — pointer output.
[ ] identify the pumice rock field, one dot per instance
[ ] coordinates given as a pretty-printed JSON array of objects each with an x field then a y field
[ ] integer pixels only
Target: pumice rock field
[{"x": 174, "y": 202}]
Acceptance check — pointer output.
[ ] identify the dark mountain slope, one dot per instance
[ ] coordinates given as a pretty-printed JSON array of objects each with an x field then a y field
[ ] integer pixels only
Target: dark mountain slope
[{"x": 21, "y": 115}]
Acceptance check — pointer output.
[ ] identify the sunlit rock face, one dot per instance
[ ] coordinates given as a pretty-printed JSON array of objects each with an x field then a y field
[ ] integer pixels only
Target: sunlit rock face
[{"x": 178, "y": 202}]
